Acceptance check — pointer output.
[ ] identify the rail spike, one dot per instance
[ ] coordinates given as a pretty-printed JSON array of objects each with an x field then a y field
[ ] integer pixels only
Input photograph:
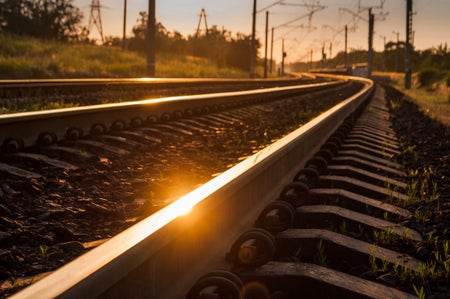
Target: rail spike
[
  {"x": 74, "y": 133},
  {"x": 98, "y": 129},
  {"x": 12, "y": 145},
  {"x": 47, "y": 138}
]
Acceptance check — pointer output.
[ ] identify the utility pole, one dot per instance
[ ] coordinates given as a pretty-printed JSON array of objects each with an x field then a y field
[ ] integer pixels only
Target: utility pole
[
  {"x": 283, "y": 55},
  {"x": 124, "y": 38},
  {"x": 384, "y": 52},
  {"x": 311, "y": 60},
  {"x": 339, "y": 32},
  {"x": 253, "y": 46},
  {"x": 409, "y": 37},
  {"x": 397, "y": 49},
  {"x": 331, "y": 50},
  {"x": 370, "y": 58},
  {"x": 346, "y": 42},
  {"x": 266, "y": 45},
  {"x": 324, "y": 56},
  {"x": 384, "y": 42},
  {"x": 371, "y": 21},
  {"x": 271, "y": 51},
  {"x": 313, "y": 8},
  {"x": 151, "y": 32}
]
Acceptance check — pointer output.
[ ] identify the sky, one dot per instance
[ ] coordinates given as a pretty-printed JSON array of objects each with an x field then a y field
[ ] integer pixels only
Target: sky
[{"x": 291, "y": 22}]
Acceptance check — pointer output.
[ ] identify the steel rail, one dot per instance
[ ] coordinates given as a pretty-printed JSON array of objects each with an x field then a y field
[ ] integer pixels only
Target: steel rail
[
  {"x": 12, "y": 88},
  {"x": 27, "y": 128},
  {"x": 163, "y": 255},
  {"x": 33, "y": 83}
]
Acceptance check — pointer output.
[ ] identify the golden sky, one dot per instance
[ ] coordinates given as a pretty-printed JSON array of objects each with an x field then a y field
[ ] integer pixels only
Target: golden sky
[{"x": 431, "y": 23}]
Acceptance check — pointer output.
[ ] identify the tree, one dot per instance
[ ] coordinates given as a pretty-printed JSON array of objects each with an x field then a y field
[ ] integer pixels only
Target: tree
[
  {"x": 241, "y": 50},
  {"x": 217, "y": 45},
  {"x": 165, "y": 41},
  {"x": 47, "y": 19},
  {"x": 221, "y": 47}
]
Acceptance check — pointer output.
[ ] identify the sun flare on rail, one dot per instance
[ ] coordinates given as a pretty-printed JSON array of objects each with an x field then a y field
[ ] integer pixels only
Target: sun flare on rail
[{"x": 184, "y": 205}]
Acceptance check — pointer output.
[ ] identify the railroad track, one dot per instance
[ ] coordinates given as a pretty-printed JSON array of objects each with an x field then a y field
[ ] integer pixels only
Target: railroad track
[
  {"x": 252, "y": 229},
  {"x": 25, "y": 88},
  {"x": 71, "y": 123},
  {"x": 19, "y": 95}
]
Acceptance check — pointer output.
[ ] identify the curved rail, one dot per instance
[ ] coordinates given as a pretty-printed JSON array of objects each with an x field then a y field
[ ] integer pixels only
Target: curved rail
[
  {"x": 6, "y": 84},
  {"x": 163, "y": 255},
  {"x": 28, "y": 128},
  {"x": 18, "y": 88}
]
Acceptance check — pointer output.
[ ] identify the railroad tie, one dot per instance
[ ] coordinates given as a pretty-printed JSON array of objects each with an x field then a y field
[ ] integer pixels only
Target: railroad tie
[{"x": 319, "y": 238}]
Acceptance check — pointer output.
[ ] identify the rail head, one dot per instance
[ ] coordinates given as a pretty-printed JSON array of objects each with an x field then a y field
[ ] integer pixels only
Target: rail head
[
  {"x": 101, "y": 81},
  {"x": 59, "y": 123},
  {"x": 164, "y": 254},
  {"x": 11, "y": 89}
]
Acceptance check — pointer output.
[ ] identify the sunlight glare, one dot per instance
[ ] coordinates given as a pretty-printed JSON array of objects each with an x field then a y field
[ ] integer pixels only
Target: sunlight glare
[{"x": 184, "y": 204}]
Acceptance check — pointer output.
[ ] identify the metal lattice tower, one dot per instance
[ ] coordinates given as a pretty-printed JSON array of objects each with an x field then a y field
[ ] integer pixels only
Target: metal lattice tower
[
  {"x": 95, "y": 18},
  {"x": 202, "y": 16}
]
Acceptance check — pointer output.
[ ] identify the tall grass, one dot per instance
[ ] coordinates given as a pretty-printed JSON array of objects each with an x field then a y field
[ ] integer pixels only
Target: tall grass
[
  {"x": 30, "y": 58},
  {"x": 434, "y": 101}
]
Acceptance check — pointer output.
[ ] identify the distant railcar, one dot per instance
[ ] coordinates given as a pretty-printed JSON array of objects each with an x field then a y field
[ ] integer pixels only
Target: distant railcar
[{"x": 358, "y": 69}]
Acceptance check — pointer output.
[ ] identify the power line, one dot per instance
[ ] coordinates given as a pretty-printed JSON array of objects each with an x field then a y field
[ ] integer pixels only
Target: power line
[
  {"x": 313, "y": 8},
  {"x": 282, "y": 3},
  {"x": 269, "y": 6},
  {"x": 371, "y": 20},
  {"x": 364, "y": 8},
  {"x": 295, "y": 27}
]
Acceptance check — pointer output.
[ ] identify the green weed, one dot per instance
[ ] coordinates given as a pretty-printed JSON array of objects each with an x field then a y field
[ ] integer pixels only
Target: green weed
[
  {"x": 343, "y": 228},
  {"x": 419, "y": 292},
  {"x": 44, "y": 251},
  {"x": 321, "y": 256},
  {"x": 373, "y": 259}
]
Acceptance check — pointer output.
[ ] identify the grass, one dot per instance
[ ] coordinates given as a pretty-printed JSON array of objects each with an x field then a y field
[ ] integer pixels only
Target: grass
[
  {"x": 434, "y": 100},
  {"x": 434, "y": 272},
  {"x": 321, "y": 256},
  {"x": 30, "y": 58}
]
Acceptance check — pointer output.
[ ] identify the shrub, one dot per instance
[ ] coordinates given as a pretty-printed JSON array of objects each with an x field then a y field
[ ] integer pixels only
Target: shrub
[{"x": 428, "y": 76}]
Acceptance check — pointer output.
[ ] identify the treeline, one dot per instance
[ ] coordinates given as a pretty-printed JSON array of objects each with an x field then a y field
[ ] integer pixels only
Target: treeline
[
  {"x": 45, "y": 19},
  {"x": 217, "y": 45},
  {"x": 390, "y": 60},
  {"x": 61, "y": 20}
]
